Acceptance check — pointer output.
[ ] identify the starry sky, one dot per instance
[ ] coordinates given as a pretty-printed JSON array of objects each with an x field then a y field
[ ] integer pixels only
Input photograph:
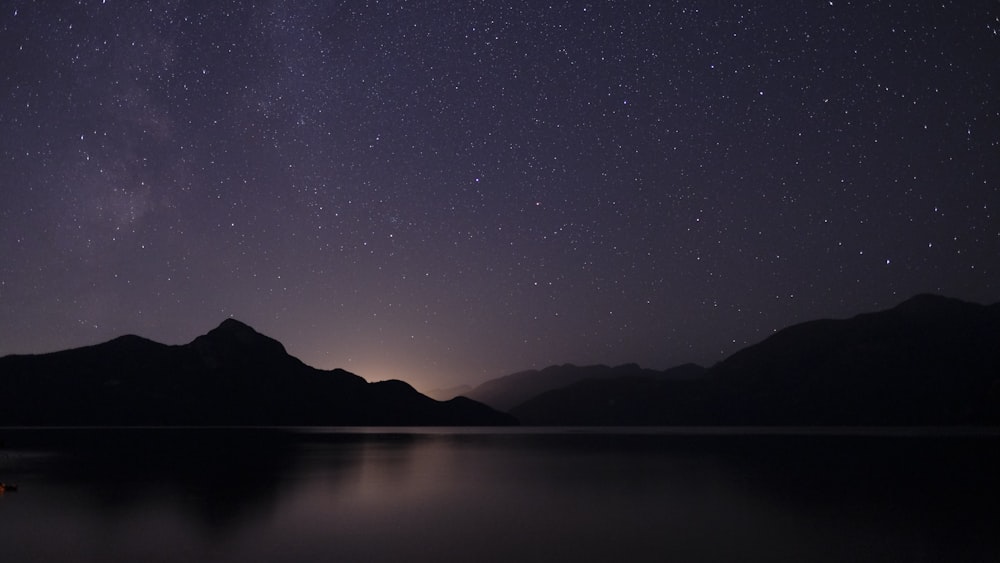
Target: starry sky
[{"x": 447, "y": 192}]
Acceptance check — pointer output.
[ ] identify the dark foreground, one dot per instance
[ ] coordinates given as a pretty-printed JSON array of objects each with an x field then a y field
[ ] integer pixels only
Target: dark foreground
[{"x": 497, "y": 495}]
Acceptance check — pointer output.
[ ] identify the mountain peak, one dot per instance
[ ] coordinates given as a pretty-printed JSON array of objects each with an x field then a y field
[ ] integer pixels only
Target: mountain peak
[
  {"x": 233, "y": 325},
  {"x": 931, "y": 306},
  {"x": 239, "y": 338},
  {"x": 232, "y": 329}
]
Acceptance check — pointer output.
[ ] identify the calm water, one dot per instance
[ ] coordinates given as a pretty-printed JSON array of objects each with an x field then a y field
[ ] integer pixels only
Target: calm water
[{"x": 497, "y": 495}]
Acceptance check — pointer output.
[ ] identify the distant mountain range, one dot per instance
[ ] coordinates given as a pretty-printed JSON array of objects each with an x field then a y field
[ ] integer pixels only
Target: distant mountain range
[
  {"x": 445, "y": 393},
  {"x": 509, "y": 391},
  {"x": 231, "y": 376},
  {"x": 929, "y": 361}
]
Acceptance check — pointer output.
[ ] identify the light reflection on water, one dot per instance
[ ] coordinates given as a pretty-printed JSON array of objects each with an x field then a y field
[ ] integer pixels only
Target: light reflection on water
[{"x": 497, "y": 495}]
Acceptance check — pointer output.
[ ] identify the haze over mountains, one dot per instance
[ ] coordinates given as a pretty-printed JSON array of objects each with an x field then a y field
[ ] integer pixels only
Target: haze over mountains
[{"x": 929, "y": 361}]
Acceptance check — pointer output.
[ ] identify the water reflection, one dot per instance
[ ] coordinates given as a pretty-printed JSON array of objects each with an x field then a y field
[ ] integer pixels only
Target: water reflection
[{"x": 265, "y": 495}]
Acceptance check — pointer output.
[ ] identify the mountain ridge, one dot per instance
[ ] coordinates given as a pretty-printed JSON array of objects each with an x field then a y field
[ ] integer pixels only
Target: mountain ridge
[
  {"x": 232, "y": 375},
  {"x": 506, "y": 392},
  {"x": 930, "y": 360}
]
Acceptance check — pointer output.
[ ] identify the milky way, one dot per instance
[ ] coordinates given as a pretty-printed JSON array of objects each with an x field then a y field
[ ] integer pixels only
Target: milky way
[{"x": 445, "y": 192}]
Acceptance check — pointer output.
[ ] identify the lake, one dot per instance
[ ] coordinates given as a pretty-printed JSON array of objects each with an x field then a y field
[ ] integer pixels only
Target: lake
[{"x": 524, "y": 494}]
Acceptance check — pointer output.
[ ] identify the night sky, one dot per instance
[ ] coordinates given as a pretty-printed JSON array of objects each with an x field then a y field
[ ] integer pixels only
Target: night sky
[{"x": 446, "y": 192}]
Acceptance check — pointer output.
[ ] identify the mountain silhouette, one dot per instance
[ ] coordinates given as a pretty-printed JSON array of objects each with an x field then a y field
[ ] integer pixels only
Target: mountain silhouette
[
  {"x": 232, "y": 375},
  {"x": 445, "y": 393},
  {"x": 929, "y": 361},
  {"x": 506, "y": 392}
]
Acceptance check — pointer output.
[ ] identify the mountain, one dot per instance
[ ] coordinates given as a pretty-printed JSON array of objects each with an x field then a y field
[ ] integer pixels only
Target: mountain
[
  {"x": 509, "y": 391},
  {"x": 929, "y": 361},
  {"x": 231, "y": 376},
  {"x": 445, "y": 393}
]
